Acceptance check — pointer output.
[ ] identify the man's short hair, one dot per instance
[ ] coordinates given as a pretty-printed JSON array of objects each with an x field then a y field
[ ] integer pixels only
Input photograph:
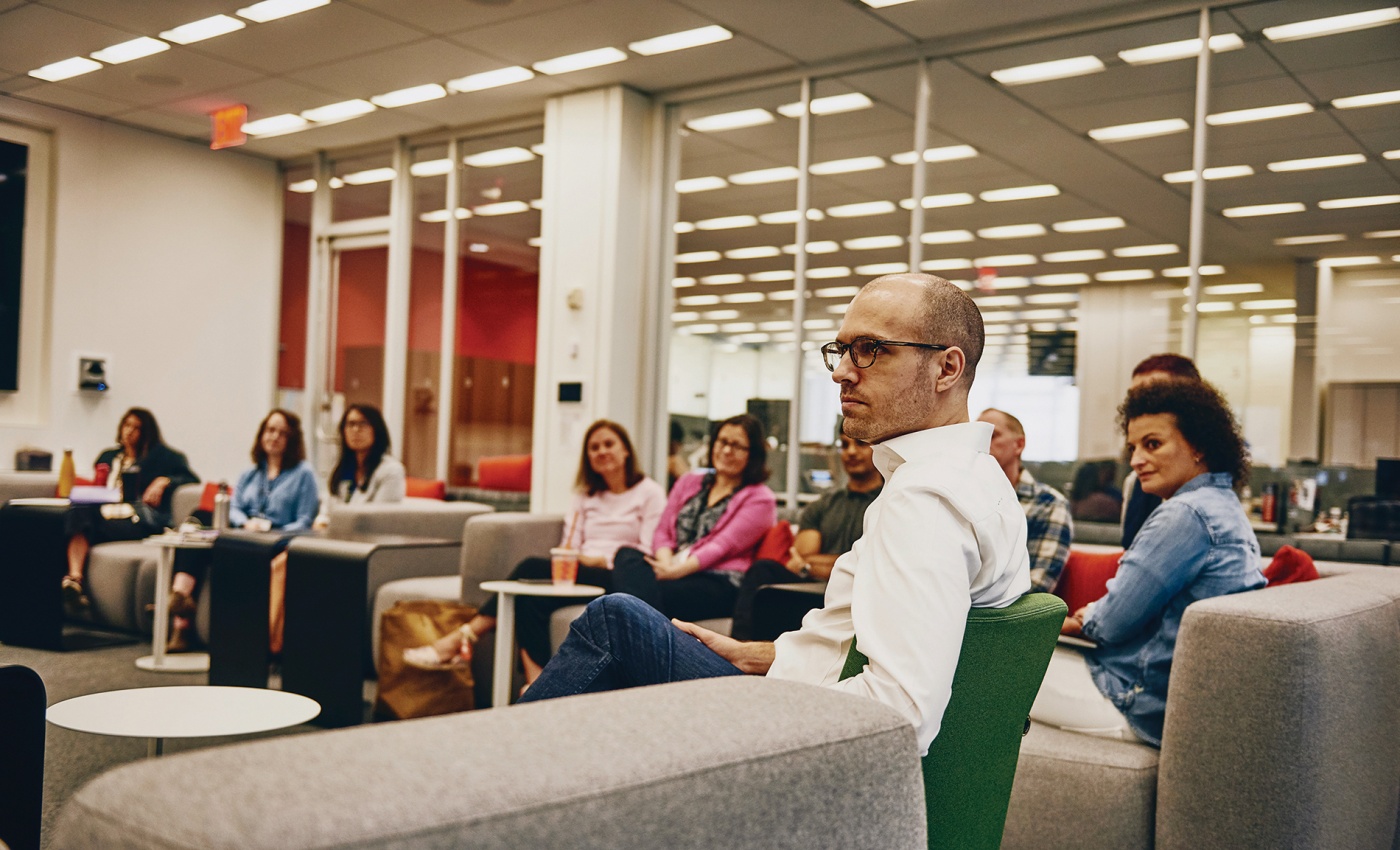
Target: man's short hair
[
  {"x": 1011, "y": 422},
  {"x": 950, "y": 318},
  {"x": 1171, "y": 364}
]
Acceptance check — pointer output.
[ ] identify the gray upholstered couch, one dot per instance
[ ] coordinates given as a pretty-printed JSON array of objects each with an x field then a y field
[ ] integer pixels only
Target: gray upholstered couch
[
  {"x": 1282, "y": 730},
  {"x": 27, "y": 485},
  {"x": 739, "y": 762}
]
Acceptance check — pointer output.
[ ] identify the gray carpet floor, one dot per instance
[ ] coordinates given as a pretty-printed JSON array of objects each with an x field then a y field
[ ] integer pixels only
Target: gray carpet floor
[{"x": 72, "y": 758}]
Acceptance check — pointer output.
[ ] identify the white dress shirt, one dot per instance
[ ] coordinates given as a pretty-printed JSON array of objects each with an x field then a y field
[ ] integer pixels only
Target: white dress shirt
[{"x": 947, "y": 533}]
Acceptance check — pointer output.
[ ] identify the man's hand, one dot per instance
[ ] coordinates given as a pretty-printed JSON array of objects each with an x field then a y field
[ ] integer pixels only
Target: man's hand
[
  {"x": 795, "y": 561},
  {"x": 153, "y": 493},
  {"x": 754, "y": 657}
]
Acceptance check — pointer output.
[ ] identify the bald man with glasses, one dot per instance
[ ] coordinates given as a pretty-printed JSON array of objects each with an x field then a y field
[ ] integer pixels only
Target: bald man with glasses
[{"x": 945, "y": 534}]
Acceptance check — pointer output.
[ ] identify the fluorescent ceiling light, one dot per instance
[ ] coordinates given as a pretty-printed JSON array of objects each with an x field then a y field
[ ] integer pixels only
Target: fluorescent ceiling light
[
  {"x": 303, "y": 187},
  {"x": 1012, "y": 231},
  {"x": 999, "y": 260},
  {"x": 499, "y": 157},
  {"x": 700, "y": 329},
  {"x": 720, "y": 315},
  {"x": 947, "y": 153},
  {"x": 1333, "y": 25},
  {"x": 67, "y": 69},
  {"x": 1374, "y": 99},
  {"x": 1232, "y": 289},
  {"x": 877, "y": 269},
  {"x": 1124, "y": 275},
  {"x": 751, "y": 338},
  {"x": 580, "y": 61},
  {"x": 1284, "y": 319},
  {"x": 442, "y": 215},
  {"x": 784, "y": 325},
  {"x": 340, "y": 112},
  {"x": 370, "y": 175},
  {"x": 1185, "y": 271},
  {"x": 742, "y": 298},
  {"x": 830, "y": 105},
  {"x": 1381, "y": 234},
  {"x": 1173, "y": 50},
  {"x": 1219, "y": 172},
  {"x": 1258, "y": 113},
  {"x": 1348, "y": 203},
  {"x": 685, "y": 316},
  {"x": 790, "y": 216},
  {"x": 998, "y": 301},
  {"x": 682, "y": 282},
  {"x": 491, "y": 79},
  {"x": 405, "y": 97},
  {"x": 700, "y": 184},
  {"x": 1269, "y": 304},
  {"x": 1262, "y": 209},
  {"x": 765, "y": 175},
  {"x": 271, "y": 10},
  {"x": 721, "y": 280},
  {"x": 129, "y": 50},
  {"x": 1311, "y": 240},
  {"x": 757, "y": 252},
  {"x": 835, "y": 291},
  {"x": 1210, "y": 307},
  {"x": 1395, "y": 154},
  {"x": 1071, "y": 279},
  {"x": 1089, "y": 225},
  {"x": 681, "y": 40},
  {"x": 823, "y": 246},
  {"x": 730, "y": 120},
  {"x": 204, "y": 28},
  {"x": 861, "y": 209},
  {"x": 683, "y": 227},
  {"x": 533, "y": 241},
  {"x": 1020, "y": 193},
  {"x": 502, "y": 208},
  {"x": 727, "y": 222},
  {"x": 1140, "y": 130},
  {"x": 699, "y": 257},
  {"x": 1041, "y": 315},
  {"x": 1146, "y": 250},
  {"x": 846, "y": 166},
  {"x": 775, "y": 276},
  {"x": 945, "y": 265},
  {"x": 1340, "y": 262},
  {"x": 1054, "y": 70},
  {"x": 1080, "y": 256},
  {"x": 1052, "y": 297},
  {"x": 870, "y": 243},
  {"x": 275, "y": 125},
  {"x": 881, "y": 4},
  {"x": 537, "y": 204},
  {"x": 930, "y": 202},
  {"x": 1318, "y": 162},
  {"x": 697, "y": 300},
  {"x": 945, "y": 237}
]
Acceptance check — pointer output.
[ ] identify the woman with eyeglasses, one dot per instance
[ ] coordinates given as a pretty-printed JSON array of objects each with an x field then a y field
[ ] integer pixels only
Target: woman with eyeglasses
[{"x": 709, "y": 532}]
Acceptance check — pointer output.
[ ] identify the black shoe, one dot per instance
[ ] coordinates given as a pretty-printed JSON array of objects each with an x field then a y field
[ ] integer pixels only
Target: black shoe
[{"x": 75, "y": 601}]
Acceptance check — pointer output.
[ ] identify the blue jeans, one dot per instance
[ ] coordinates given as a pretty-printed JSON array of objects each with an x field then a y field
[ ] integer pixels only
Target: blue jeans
[{"x": 622, "y": 642}]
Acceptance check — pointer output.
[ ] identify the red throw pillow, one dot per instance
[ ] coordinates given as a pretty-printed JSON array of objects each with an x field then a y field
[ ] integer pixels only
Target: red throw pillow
[
  {"x": 775, "y": 544},
  {"x": 1085, "y": 577},
  {"x": 206, "y": 499},
  {"x": 1290, "y": 565},
  {"x": 504, "y": 472},
  {"x": 425, "y": 488}
]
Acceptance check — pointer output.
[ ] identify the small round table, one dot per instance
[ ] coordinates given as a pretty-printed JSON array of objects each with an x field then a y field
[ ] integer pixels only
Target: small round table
[
  {"x": 506, "y": 591},
  {"x": 182, "y": 711},
  {"x": 157, "y": 661}
]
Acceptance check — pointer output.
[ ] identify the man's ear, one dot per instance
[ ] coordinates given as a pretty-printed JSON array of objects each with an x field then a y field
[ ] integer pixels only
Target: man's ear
[{"x": 954, "y": 362}]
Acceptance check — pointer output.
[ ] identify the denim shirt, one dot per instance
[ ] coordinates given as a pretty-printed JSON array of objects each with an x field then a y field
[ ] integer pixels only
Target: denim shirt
[
  {"x": 288, "y": 501},
  {"x": 1195, "y": 545}
]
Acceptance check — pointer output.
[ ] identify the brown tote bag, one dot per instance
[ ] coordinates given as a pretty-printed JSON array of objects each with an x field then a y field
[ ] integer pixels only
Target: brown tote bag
[{"x": 406, "y": 691}]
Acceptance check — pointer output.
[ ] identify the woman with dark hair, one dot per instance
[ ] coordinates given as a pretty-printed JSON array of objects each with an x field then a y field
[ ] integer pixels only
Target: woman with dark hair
[
  {"x": 710, "y": 531},
  {"x": 1187, "y": 449},
  {"x": 148, "y": 472},
  {"x": 278, "y": 493},
  {"x": 1093, "y": 498},
  {"x": 614, "y": 505}
]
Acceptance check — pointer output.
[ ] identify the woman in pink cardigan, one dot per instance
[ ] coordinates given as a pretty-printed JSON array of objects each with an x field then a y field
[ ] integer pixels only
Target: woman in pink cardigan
[{"x": 709, "y": 531}]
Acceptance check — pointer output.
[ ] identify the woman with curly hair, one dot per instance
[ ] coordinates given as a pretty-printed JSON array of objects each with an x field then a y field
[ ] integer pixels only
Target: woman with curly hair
[{"x": 1187, "y": 449}]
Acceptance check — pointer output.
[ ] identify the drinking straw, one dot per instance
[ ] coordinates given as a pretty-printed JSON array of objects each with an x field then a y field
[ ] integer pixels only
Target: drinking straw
[{"x": 569, "y": 538}]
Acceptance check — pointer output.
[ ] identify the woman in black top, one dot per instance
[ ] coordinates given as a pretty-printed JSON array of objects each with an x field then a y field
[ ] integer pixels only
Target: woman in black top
[{"x": 148, "y": 472}]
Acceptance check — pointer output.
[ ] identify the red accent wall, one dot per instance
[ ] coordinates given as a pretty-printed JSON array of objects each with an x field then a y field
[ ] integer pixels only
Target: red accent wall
[{"x": 291, "y": 338}]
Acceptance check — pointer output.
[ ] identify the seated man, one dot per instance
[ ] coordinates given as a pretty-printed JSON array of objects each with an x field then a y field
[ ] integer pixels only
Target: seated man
[
  {"x": 826, "y": 530},
  {"x": 945, "y": 534},
  {"x": 1048, "y": 523}
]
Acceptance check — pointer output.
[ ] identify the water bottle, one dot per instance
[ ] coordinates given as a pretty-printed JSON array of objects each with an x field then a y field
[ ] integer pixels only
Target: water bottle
[
  {"x": 221, "y": 507},
  {"x": 66, "y": 474}
]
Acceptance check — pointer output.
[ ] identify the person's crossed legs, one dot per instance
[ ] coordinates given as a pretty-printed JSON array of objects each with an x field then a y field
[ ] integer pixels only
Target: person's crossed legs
[{"x": 622, "y": 642}]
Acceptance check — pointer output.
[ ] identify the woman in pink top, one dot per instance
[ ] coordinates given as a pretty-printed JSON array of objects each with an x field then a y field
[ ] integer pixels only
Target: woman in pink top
[
  {"x": 709, "y": 533},
  {"x": 615, "y": 506}
]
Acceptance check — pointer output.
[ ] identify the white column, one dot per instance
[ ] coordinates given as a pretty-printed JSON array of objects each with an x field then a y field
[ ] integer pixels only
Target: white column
[
  {"x": 597, "y": 286},
  {"x": 448, "y": 361},
  {"x": 1118, "y": 327},
  {"x": 396, "y": 298}
]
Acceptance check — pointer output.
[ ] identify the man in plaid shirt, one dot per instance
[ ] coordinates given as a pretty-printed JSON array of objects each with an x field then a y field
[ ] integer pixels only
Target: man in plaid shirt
[{"x": 1048, "y": 524}]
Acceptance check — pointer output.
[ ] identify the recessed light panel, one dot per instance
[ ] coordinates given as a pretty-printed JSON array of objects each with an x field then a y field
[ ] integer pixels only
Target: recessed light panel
[
  {"x": 1367, "y": 201},
  {"x": 491, "y": 79},
  {"x": 1146, "y": 250},
  {"x": 700, "y": 184},
  {"x": 730, "y": 120},
  {"x": 1379, "y": 98},
  {"x": 1140, "y": 130},
  {"x": 66, "y": 69},
  {"x": 847, "y": 166},
  {"x": 1020, "y": 193},
  {"x": 829, "y": 105},
  {"x": 408, "y": 96},
  {"x": 580, "y": 61},
  {"x": 271, "y": 10},
  {"x": 1263, "y": 209},
  {"x": 947, "y": 153},
  {"x": 1170, "y": 51},
  {"x": 1089, "y": 225},
  {"x": 765, "y": 175},
  {"x": 1054, "y": 70},
  {"x": 1079, "y": 256},
  {"x": 681, "y": 40},
  {"x": 202, "y": 29},
  {"x": 129, "y": 50},
  {"x": 1314, "y": 239},
  {"x": 1219, "y": 172},
  {"x": 1258, "y": 113},
  {"x": 1333, "y": 25},
  {"x": 1313, "y": 162}
]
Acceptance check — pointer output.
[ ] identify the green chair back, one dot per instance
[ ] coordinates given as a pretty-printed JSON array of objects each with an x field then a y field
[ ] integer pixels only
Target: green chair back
[{"x": 970, "y": 765}]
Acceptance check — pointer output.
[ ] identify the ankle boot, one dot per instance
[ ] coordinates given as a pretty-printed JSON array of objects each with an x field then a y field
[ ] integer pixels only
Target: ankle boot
[{"x": 179, "y": 638}]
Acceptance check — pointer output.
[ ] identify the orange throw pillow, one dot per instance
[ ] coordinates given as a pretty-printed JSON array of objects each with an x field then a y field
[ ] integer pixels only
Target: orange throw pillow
[
  {"x": 1085, "y": 577},
  {"x": 1290, "y": 565}
]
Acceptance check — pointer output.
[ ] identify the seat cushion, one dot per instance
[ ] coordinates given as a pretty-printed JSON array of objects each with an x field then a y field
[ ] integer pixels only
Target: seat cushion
[{"x": 121, "y": 578}]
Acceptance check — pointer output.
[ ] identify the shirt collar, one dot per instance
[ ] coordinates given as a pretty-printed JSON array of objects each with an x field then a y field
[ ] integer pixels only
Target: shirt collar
[
  {"x": 1025, "y": 485},
  {"x": 1223, "y": 480},
  {"x": 964, "y": 436}
]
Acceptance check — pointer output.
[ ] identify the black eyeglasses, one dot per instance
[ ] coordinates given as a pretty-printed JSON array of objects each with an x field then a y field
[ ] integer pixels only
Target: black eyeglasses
[{"x": 863, "y": 350}]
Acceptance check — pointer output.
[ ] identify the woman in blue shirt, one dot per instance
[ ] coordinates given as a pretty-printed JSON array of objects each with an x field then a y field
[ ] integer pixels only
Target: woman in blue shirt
[
  {"x": 1187, "y": 449},
  {"x": 279, "y": 493}
]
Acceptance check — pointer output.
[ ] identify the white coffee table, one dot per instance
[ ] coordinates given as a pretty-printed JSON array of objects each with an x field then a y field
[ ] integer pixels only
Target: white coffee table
[
  {"x": 506, "y": 591},
  {"x": 182, "y": 711},
  {"x": 158, "y": 661}
]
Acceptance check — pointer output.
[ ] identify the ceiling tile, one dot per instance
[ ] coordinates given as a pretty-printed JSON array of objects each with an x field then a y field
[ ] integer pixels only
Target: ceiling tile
[
  {"x": 56, "y": 94},
  {"x": 429, "y": 60},
  {"x": 600, "y": 23},
  {"x": 817, "y": 33},
  {"x": 33, "y": 36},
  {"x": 144, "y": 17},
  {"x": 444, "y": 16},
  {"x": 322, "y": 35},
  {"x": 264, "y": 97},
  {"x": 163, "y": 78}
]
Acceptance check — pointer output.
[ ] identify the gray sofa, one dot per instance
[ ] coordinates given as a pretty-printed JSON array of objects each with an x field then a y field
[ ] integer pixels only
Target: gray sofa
[
  {"x": 1282, "y": 730},
  {"x": 739, "y": 762},
  {"x": 27, "y": 485}
]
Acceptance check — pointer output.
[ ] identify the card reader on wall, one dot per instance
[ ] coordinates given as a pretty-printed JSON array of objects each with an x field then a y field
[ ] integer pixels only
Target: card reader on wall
[{"x": 571, "y": 391}]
